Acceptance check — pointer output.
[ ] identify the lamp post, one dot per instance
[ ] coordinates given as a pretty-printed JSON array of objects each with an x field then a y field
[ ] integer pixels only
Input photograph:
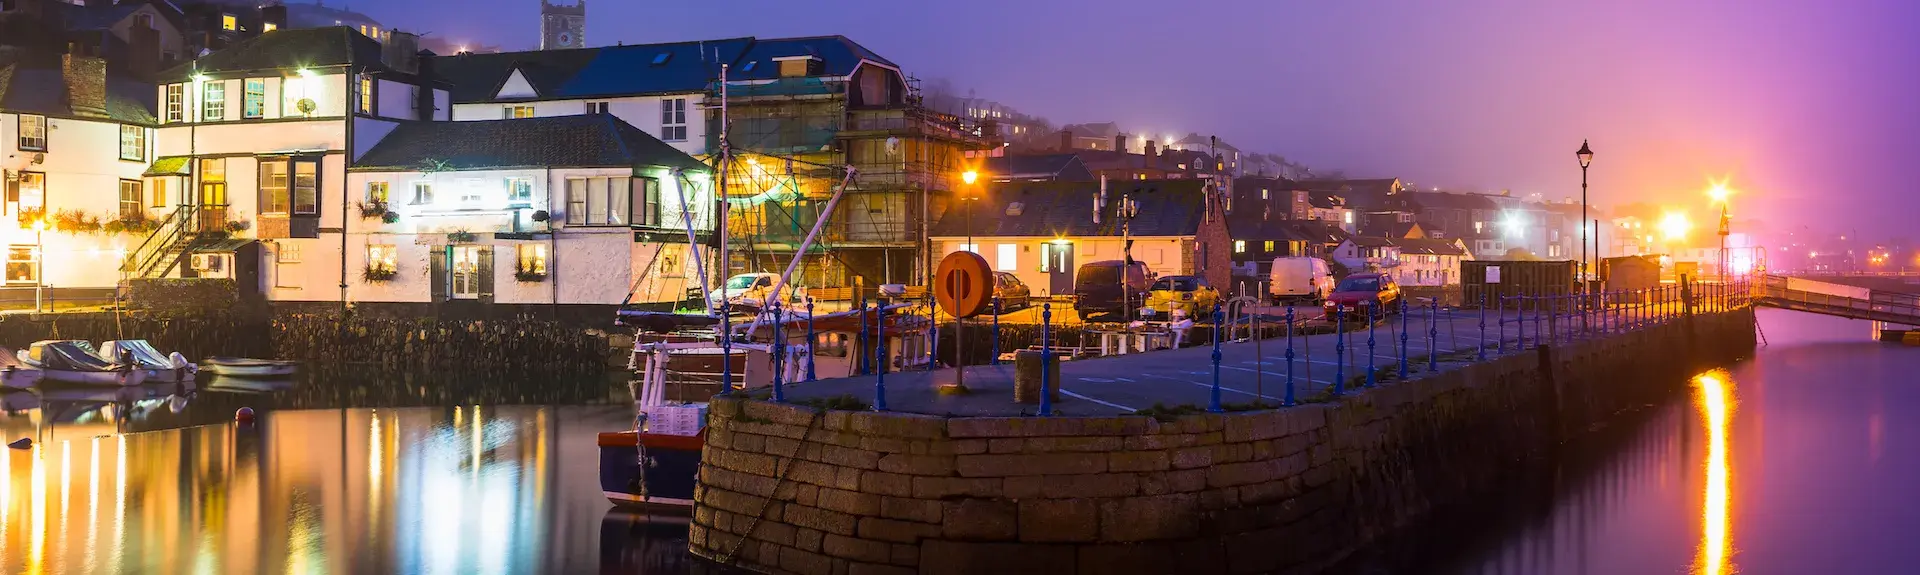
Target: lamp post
[
  {"x": 969, "y": 177},
  {"x": 39, "y": 265},
  {"x": 1719, "y": 194},
  {"x": 1585, "y": 155}
]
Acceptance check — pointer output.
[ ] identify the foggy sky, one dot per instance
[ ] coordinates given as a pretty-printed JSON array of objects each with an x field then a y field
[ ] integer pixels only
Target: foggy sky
[{"x": 1805, "y": 106}]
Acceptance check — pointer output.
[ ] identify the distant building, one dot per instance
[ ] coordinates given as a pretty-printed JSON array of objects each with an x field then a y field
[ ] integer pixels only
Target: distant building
[
  {"x": 1226, "y": 156},
  {"x": 563, "y": 26},
  {"x": 1036, "y": 168}
]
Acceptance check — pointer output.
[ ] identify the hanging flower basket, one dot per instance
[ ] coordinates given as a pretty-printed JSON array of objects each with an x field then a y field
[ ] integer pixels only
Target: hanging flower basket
[
  {"x": 378, "y": 274},
  {"x": 529, "y": 276},
  {"x": 373, "y": 209}
]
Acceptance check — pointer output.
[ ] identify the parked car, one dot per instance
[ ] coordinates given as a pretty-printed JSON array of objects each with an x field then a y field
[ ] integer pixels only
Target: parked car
[
  {"x": 751, "y": 289},
  {"x": 1299, "y": 279},
  {"x": 1190, "y": 294},
  {"x": 1013, "y": 293},
  {"x": 1358, "y": 294},
  {"x": 1098, "y": 289}
]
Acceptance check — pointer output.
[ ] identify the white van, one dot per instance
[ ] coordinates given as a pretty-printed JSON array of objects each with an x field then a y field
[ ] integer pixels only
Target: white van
[{"x": 1299, "y": 278}]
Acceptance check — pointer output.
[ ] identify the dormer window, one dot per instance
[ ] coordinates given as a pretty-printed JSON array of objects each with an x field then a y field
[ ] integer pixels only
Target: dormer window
[
  {"x": 798, "y": 66},
  {"x": 661, "y": 58},
  {"x": 749, "y": 66}
]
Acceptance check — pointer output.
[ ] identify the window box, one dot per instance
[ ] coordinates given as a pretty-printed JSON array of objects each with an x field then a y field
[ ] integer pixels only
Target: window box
[
  {"x": 373, "y": 209},
  {"x": 375, "y": 274},
  {"x": 529, "y": 276}
]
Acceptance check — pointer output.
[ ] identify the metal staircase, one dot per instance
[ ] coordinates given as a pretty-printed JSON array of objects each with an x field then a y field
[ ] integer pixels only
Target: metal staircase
[{"x": 168, "y": 245}]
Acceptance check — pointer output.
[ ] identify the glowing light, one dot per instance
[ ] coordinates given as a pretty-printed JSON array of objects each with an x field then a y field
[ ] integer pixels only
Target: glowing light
[
  {"x": 304, "y": 73},
  {"x": 1715, "y": 406},
  {"x": 969, "y": 177},
  {"x": 1719, "y": 192},
  {"x": 1675, "y": 226}
]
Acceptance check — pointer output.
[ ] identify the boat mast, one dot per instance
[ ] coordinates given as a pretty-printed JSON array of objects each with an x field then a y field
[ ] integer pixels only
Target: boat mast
[{"x": 724, "y": 258}]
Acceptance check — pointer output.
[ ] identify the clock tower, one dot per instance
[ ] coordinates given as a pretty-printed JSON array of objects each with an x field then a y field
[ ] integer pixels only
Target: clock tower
[{"x": 563, "y": 26}]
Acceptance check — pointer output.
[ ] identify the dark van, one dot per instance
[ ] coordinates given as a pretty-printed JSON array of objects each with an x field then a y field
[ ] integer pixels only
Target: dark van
[{"x": 1097, "y": 288}]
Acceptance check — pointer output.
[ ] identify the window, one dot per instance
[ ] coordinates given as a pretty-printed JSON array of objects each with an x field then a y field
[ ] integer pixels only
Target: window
[
  {"x": 1349, "y": 216},
  {"x": 33, "y": 133},
  {"x": 228, "y": 22},
  {"x": 596, "y": 107},
  {"x": 1239, "y": 246},
  {"x": 269, "y": 27},
  {"x": 286, "y": 259},
  {"x": 176, "y": 102},
  {"x": 273, "y": 187},
  {"x": 647, "y": 203},
  {"x": 32, "y": 194},
  {"x": 422, "y": 193},
  {"x": 377, "y": 192},
  {"x": 159, "y": 192},
  {"x": 367, "y": 97},
  {"x": 532, "y": 259},
  {"x": 520, "y": 191},
  {"x": 516, "y": 112},
  {"x": 1046, "y": 257},
  {"x": 213, "y": 101},
  {"x": 133, "y": 143},
  {"x": 1267, "y": 246},
  {"x": 131, "y": 198},
  {"x": 253, "y": 98},
  {"x": 213, "y": 182},
  {"x": 306, "y": 187},
  {"x": 1008, "y": 257},
  {"x": 383, "y": 258},
  {"x": 599, "y": 201},
  {"x": 143, "y": 20},
  {"x": 20, "y": 265},
  {"x": 466, "y": 272},
  {"x": 673, "y": 119}
]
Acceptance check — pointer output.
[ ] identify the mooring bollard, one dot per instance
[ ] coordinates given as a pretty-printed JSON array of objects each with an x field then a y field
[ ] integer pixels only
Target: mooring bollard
[
  {"x": 1213, "y": 402},
  {"x": 812, "y": 339},
  {"x": 1403, "y": 338},
  {"x": 1373, "y": 319},
  {"x": 1433, "y": 336},
  {"x": 1480, "y": 344},
  {"x": 1046, "y": 358},
  {"x": 879, "y": 357},
  {"x": 1340, "y": 348},
  {"x": 779, "y": 356},
  {"x": 1289, "y": 355},
  {"x": 996, "y": 330}
]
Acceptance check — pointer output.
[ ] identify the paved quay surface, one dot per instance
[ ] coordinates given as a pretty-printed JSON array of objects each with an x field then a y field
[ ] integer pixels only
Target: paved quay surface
[{"x": 1249, "y": 370}]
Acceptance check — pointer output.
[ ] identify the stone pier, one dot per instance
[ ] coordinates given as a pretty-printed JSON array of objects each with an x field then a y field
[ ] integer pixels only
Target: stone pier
[{"x": 790, "y": 489}]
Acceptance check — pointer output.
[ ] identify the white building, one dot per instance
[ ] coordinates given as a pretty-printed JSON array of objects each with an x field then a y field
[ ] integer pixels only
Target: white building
[
  {"x": 1412, "y": 262},
  {"x": 572, "y": 210},
  {"x": 256, "y": 140},
  {"x": 74, "y": 139}
]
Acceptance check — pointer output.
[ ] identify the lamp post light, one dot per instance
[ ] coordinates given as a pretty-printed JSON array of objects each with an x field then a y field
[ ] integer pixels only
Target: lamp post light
[
  {"x": 1585, "y": 155},
  {"x": 969, "y": 177},
  {"x": 39, "y": 265}
]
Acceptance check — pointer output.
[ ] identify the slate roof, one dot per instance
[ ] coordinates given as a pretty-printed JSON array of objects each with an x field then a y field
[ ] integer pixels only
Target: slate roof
[
  {"x": 1433, "y": 247},
  {"x": 36, "y": 89},
  {"x": 284, "y": 50},
  {"x": 587, "y": 140},
  {"x": 1168, "y": 208},
  {"x": 97, "y": 17},
  {"x": 629, "y": 70},
  {"x": 1050, "y": 166},
  {"x": 1316, "y": 231}
]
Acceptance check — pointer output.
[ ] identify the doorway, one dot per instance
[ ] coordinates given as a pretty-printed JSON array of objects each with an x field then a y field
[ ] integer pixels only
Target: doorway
[{"x": 1057, "y": 260}]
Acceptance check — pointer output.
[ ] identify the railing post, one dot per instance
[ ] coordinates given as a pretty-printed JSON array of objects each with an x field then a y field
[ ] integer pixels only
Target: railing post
[
  {"x": 1433, "y": 335},
  {"x": 779, "y": 356},
  {"x": 1480, "y": 344},
  {"x": 1500, "y": 326},
  {"x": 1340, "y": 348},
  {"x": 879, "y": 357},
  {"x": 1289, "y": 355},
  {"x": 1213, "y": 402},
  {"x": 726, "y": 347},
  {"x": 1046, "y": 357},
  {"x": 1520, "y": 321},
  {"x": 1373, "y": 320}
]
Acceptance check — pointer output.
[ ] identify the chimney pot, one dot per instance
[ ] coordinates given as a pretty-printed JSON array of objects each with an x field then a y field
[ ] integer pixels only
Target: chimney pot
[
  {"x": 1120, "y": 143},
  {"x": 1153, "y": 149},
  {"x": 1066, "y": 140}
]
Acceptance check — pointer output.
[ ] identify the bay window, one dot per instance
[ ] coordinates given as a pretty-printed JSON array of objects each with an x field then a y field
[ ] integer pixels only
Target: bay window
[{"x": 599, "y": 201}]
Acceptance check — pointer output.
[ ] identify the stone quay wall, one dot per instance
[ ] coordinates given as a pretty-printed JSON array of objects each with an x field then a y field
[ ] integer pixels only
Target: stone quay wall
[{"x": 788, "y": 489}]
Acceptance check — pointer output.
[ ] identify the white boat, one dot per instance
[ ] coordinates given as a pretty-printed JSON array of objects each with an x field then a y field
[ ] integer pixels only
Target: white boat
[
  {"x": 235, "y": 384},
  {"x": 13, "y": 373},
  {"x": 247, "y": 367},
  {"x": 171, "y": 368},
  {"x": 74, "y": 361}
]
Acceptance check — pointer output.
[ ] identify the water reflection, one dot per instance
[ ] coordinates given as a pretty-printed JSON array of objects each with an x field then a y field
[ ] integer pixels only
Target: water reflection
[
  {"x": 1715, "y": 407},
  {"x": 410, "y": 490}
]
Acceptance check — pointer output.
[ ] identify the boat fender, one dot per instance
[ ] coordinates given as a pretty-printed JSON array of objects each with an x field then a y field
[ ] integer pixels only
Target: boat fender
[{"x": 244, "y": 415}]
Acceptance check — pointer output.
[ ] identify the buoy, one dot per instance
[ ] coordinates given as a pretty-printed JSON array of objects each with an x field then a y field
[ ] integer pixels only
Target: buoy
[
  {"x": 22, "y": 443},
  {"x": 244, "y": 415}
]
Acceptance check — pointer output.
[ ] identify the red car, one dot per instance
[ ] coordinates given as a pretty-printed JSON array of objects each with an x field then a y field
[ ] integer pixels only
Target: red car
[{"x": 1357, "y": 293}]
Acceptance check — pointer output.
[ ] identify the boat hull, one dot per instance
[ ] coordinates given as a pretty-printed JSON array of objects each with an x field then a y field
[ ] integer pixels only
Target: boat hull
[
  {"x": 665, "y": 483},
  {"x": 119, "y": 378},
  {"x": 261, "y": 370}
]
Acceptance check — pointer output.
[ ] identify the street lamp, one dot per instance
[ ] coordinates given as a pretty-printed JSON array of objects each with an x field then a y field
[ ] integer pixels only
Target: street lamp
[
  {"x": 970, "y": 177},
  {"x": 1719, "y": 193},
  {"x": 39, "y": 265},
  {"x": 1586, "y": 159}
]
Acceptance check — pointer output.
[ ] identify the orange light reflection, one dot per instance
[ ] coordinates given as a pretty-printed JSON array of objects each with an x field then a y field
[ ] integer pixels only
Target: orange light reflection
[{"x": 1716, "y": 406}]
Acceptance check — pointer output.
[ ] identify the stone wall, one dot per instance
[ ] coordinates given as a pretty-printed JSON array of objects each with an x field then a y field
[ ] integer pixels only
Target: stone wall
[{"x": 787, "y": 489}]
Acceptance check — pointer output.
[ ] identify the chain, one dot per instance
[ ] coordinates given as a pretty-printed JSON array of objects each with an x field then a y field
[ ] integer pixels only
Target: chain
[{"x": 755, "y": 524}]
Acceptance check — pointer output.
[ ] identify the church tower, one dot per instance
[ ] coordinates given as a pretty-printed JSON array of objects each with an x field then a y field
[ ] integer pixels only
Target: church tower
[{"x": 563, "y": 26}]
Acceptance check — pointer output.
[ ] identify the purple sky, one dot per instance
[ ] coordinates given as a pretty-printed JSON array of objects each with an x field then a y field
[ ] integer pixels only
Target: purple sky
[{"x": 1799, "y": 103}]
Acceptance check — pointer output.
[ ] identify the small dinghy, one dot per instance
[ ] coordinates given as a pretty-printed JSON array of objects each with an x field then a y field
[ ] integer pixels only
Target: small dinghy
[
  {"x": 13, "y": 373},
  {"x": 140, "y": 354},
  {"x": 235, "y": 384},
  {"x": 247, "y": 367},
  {"x": 74, "y": 361}
]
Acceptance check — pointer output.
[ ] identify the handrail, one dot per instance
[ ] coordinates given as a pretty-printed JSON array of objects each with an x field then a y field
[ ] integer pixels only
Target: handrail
[
  {"x": 153, "y": 250},
  {"x": 1876, "y": 302}
]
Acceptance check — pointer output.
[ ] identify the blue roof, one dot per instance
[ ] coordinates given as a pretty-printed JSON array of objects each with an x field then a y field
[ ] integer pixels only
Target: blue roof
[
  {"x": 621, "y": 70},
  {"x": 610, "y": 71},
  {"x": 838, "y": 55}
]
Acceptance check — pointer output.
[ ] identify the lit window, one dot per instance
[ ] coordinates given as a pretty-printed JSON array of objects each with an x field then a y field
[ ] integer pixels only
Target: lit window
[
  {"x": 1239, "y": 246},
  {"x": 213, "y": 101},
  {"x": 520, "y": 191},
  {"x": 517, "y": 112},
  {"x": 383, "y": 258},
  {"x": 532, "y": 259},
  {"x": 647, "y": 202},
  {"x": 1009, "y": 257},
  {"x": 159, "y": 192},
  {"x": 673, "y": 119},
  {"x": 253, "y": 98},
  {"x": 33, "y": 133},
  {"x": 1267, "y": 245},
  {"x": 273, "y": 187},
  {"x": 130, "y": 200},
  {"x": 377, "y": 192},
  {"x": 975, "y": 248},
  {"x": 176, "y": 102},
  {"x": 133, "y": 143},
  {"x": 306, "y": 187},
  {"x": 367, "y": 97},
  {"x": 1349, "y": 216},
  {"x": 269, "y": 27},
  {"x": 466, "y": 271},
  {"x": 20, "y": 265},
  {"x": 228, "y": 22}
]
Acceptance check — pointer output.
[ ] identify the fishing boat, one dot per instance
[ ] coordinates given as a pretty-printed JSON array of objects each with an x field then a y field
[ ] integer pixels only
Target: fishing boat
[
  {"x": 247, "y": 367},
  {"x": 168, "y": 368},
  {"x": 75, "y": 361}
]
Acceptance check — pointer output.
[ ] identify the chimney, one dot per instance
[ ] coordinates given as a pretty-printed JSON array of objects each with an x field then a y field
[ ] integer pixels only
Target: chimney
[
  {"x": 1066, "y": 140},
  {"x": 145, "y": 44},
  {"x": 401, "y": 51},
  {"x": 423, "y": 102},
  {"x": 1153, "y": 149},
  {"x": 275, "y": 14},
  {"x": 1120, "y": 143},
  {"x": 86, "y": 78}
]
